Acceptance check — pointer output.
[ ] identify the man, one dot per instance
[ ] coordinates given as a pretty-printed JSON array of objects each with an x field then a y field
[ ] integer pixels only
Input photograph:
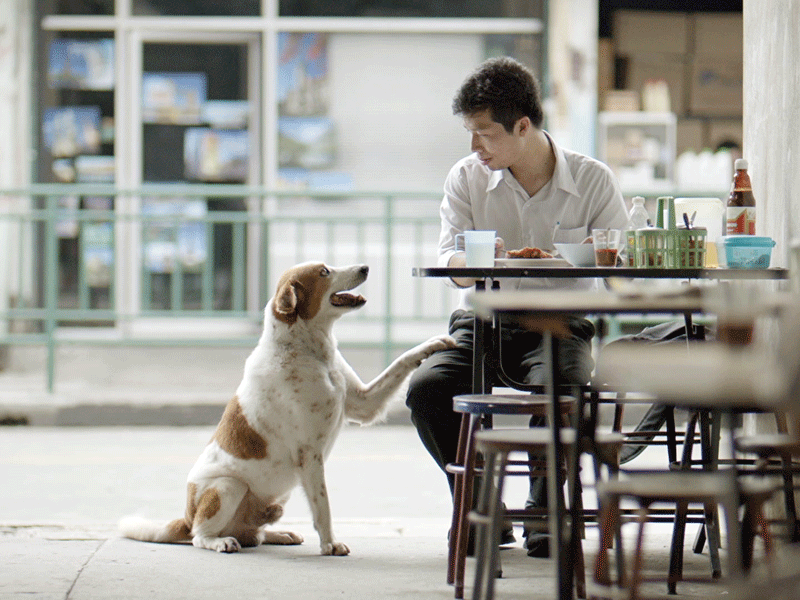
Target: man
[{"x": 522, "y": 185}]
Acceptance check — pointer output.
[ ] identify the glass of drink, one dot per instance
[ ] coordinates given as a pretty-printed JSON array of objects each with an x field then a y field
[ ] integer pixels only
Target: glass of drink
[
  {"x": 606, "y": 246},
  {"x": 478, "y": 247},
  {"x": 735, "y": 303}
]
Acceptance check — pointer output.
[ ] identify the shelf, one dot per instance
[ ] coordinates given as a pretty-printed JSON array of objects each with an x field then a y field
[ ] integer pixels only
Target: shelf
[{"x": 640, "y": 148}]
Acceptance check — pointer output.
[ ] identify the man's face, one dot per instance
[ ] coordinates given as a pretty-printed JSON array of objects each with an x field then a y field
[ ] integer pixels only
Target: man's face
[{"x": 496, "y": 148}]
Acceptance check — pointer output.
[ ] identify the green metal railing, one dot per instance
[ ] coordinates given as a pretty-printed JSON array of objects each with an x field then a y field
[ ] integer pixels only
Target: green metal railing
[{"x": 67, "y": 270}]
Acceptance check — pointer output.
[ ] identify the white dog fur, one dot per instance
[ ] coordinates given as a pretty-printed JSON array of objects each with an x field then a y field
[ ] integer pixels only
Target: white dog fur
[{"x": 296, "y": 393}]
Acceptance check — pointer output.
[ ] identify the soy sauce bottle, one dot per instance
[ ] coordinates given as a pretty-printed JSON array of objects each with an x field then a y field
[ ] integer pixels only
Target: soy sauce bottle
[{"x": 741, "y": 212}]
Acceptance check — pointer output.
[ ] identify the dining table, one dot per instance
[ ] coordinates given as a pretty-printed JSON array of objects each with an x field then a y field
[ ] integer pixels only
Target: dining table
[{"x": 544, "y": 310}]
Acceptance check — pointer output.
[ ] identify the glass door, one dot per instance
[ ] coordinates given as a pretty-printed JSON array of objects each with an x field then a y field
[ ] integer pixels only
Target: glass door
[{"x": 198, "y": 123}]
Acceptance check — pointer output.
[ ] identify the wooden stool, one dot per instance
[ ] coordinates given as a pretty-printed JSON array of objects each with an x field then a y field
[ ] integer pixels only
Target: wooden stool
[
  {"x": 489, "y": 514},
  {"x": 782, "y": 446},
  {"x": 709, "y": 436},
  {"x": 477, "y": 411},
  {"x": 679, "y": 487}
]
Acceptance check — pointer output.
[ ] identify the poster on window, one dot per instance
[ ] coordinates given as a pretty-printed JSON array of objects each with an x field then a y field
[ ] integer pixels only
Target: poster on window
[
  {"x": 98, "y": 253},
  {"x": 94, "y": 169},
  {"x": 226, "y": 114},
  {"x": 81, "y": 64},
  {"x": 303, "y": 74},
  {"x": 71, "y": 130},
  {"x": 216, "y": 155},
  {"x": 174, "y": 232},
  {"x": 67, "y": 223},
  {"x": 306, "y": 142},
  {"x": 173, "y": 98}
]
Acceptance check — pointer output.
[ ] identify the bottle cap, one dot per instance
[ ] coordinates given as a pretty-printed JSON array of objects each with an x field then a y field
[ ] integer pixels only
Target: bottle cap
[
  {"x": 741, "y": 163},
  {"x": 638, "y": 200}
]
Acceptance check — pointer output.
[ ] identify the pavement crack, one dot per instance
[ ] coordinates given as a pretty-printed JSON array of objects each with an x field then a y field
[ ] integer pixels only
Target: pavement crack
[{"x": 82, "y": 567}]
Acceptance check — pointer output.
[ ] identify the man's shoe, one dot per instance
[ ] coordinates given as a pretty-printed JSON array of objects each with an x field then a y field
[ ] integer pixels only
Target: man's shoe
[
  {"x": 538, "y": 544},
  {"x": 506, "y": 538}
]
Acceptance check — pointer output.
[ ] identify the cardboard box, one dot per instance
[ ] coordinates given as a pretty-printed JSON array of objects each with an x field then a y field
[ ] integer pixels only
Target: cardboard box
[
  {"x": 668, "y": 67},
  {"x": 622, "y": 101},
  {"x": 690, "y": 135},
  {"x": 724, "y": 130},
  {"x": 719, "y": 34},
  {"x": 605, "y": 68},
  {"x": 716, "y": 87},
  {"x": 638, "y": 31}
]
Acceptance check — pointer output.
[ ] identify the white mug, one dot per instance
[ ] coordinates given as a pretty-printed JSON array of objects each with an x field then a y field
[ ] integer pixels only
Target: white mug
[{"x": 478, "y": 247}]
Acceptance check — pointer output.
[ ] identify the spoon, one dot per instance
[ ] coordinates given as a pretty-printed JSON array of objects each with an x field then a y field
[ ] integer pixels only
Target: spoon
[{"x": 686, "y": 221}]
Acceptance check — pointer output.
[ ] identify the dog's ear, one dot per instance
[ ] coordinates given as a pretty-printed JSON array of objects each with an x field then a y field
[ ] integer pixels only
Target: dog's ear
[{"x": 284, "y": 307}]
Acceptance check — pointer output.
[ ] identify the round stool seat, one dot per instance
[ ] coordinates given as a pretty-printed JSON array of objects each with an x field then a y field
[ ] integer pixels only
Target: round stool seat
[
  {"x": 533, "y": 439},
  {"x": 688, "y": 486},
  {"x": 509, "y": 404},
  {"x": 767, "y": 444}
]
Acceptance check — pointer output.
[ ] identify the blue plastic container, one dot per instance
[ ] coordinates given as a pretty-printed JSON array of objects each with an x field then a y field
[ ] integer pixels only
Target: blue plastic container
[{"x": 745, "y": 251}]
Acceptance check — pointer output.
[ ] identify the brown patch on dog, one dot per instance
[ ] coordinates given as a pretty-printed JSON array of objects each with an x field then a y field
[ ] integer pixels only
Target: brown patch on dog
[
  {"x": 191, "y": 502},
  {"x": 208, "y": 505},
  {"x": 235, "y": 435},
  {"x": 300, "y": 293},
  {"x": 248, "y": 538},
  {"x": 178, "y": 530},
  {"x": 258, "y": 512}
]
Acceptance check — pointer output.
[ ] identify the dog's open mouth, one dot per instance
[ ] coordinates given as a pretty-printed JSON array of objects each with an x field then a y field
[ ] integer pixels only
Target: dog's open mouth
[{"x": 345, "y": 299}]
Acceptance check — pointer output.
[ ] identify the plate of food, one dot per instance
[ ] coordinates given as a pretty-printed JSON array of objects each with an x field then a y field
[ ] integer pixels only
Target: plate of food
[
  {"x": 531, "y": 262},
  {"x": 530, "y": 257}
]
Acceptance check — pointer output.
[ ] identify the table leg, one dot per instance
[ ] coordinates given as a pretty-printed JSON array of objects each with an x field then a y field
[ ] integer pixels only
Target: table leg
[
  {"x": 564, "y": 573},
  {"x": 479, "y": 348}
]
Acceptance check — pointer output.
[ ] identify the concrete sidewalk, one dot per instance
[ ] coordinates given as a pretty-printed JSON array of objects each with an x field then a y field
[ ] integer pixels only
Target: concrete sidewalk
[{"x": 65, "y": 488}]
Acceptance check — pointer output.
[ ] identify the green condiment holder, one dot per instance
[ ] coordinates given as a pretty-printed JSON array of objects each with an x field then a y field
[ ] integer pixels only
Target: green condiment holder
[
  {"x": 685, "y": 247},
  {"x": 651, "y": 248}
]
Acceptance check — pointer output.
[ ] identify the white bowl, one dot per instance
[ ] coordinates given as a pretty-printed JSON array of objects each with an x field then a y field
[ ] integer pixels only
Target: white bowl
[{"x": 578, "y": 255}]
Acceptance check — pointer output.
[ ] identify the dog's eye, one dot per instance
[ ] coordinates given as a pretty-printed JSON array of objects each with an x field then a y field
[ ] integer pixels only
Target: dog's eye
[{"x": 324, "y": 272}]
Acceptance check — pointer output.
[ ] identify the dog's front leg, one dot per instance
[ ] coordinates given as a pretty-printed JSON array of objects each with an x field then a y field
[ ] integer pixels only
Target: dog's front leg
[
  {"x": 367, "y": 402},
  {"x": 312, "y": 477}
]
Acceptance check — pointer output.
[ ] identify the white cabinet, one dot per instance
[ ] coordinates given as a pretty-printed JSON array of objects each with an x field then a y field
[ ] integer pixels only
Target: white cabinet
[{"x": 640, "y": 149}]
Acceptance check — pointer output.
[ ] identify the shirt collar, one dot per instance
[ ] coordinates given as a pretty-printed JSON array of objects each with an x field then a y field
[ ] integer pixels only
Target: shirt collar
[{"x": 562, "y": 176}]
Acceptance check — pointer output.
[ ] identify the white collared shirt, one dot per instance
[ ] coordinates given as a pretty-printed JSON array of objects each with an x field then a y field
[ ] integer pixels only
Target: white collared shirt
[{"x": 582, "y": 195}]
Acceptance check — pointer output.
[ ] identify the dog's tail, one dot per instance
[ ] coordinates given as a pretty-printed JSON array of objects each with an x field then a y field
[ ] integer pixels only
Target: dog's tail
[{"x": 144, "y": 530}]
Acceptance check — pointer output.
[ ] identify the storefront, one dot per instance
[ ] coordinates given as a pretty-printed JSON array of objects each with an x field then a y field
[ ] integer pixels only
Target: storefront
[{"x": 144, "y": 97}]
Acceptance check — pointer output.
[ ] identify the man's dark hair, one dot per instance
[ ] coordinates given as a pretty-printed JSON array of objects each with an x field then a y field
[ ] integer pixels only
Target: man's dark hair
[{"x": 507, "y": 88}]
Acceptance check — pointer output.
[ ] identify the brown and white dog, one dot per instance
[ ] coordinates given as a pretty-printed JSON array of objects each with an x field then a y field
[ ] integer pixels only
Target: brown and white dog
[{"x": 296, "y": 393}]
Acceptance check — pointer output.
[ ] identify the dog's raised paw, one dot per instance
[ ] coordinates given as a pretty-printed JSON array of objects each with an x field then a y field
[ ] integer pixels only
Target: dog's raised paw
[
  {"x": 335, "y": 549},
  {"x": 282, "y": 538},
  {"x": 441, "y": 342}
]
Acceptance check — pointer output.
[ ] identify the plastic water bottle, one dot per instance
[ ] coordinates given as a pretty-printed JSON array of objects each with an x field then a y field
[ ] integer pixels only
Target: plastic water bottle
[{"x": 638, "y": 219}]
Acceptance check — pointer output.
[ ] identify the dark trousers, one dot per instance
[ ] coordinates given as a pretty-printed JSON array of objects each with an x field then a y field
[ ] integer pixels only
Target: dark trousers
[{"x": 448, "y": 373}]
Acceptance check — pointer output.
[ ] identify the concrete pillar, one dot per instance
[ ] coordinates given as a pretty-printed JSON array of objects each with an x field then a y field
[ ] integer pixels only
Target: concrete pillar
[
  {"x": 572, "y": 64},
  {"x": 772, "y": 117},
  {"x": 772, "y": 131},
  {"x": 15, "y": 74}
]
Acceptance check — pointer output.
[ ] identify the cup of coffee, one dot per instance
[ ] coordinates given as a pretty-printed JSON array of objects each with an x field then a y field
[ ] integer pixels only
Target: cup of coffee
[
  {"x": 478, "y": 247},
  {"x": 606, "y": 246}
]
